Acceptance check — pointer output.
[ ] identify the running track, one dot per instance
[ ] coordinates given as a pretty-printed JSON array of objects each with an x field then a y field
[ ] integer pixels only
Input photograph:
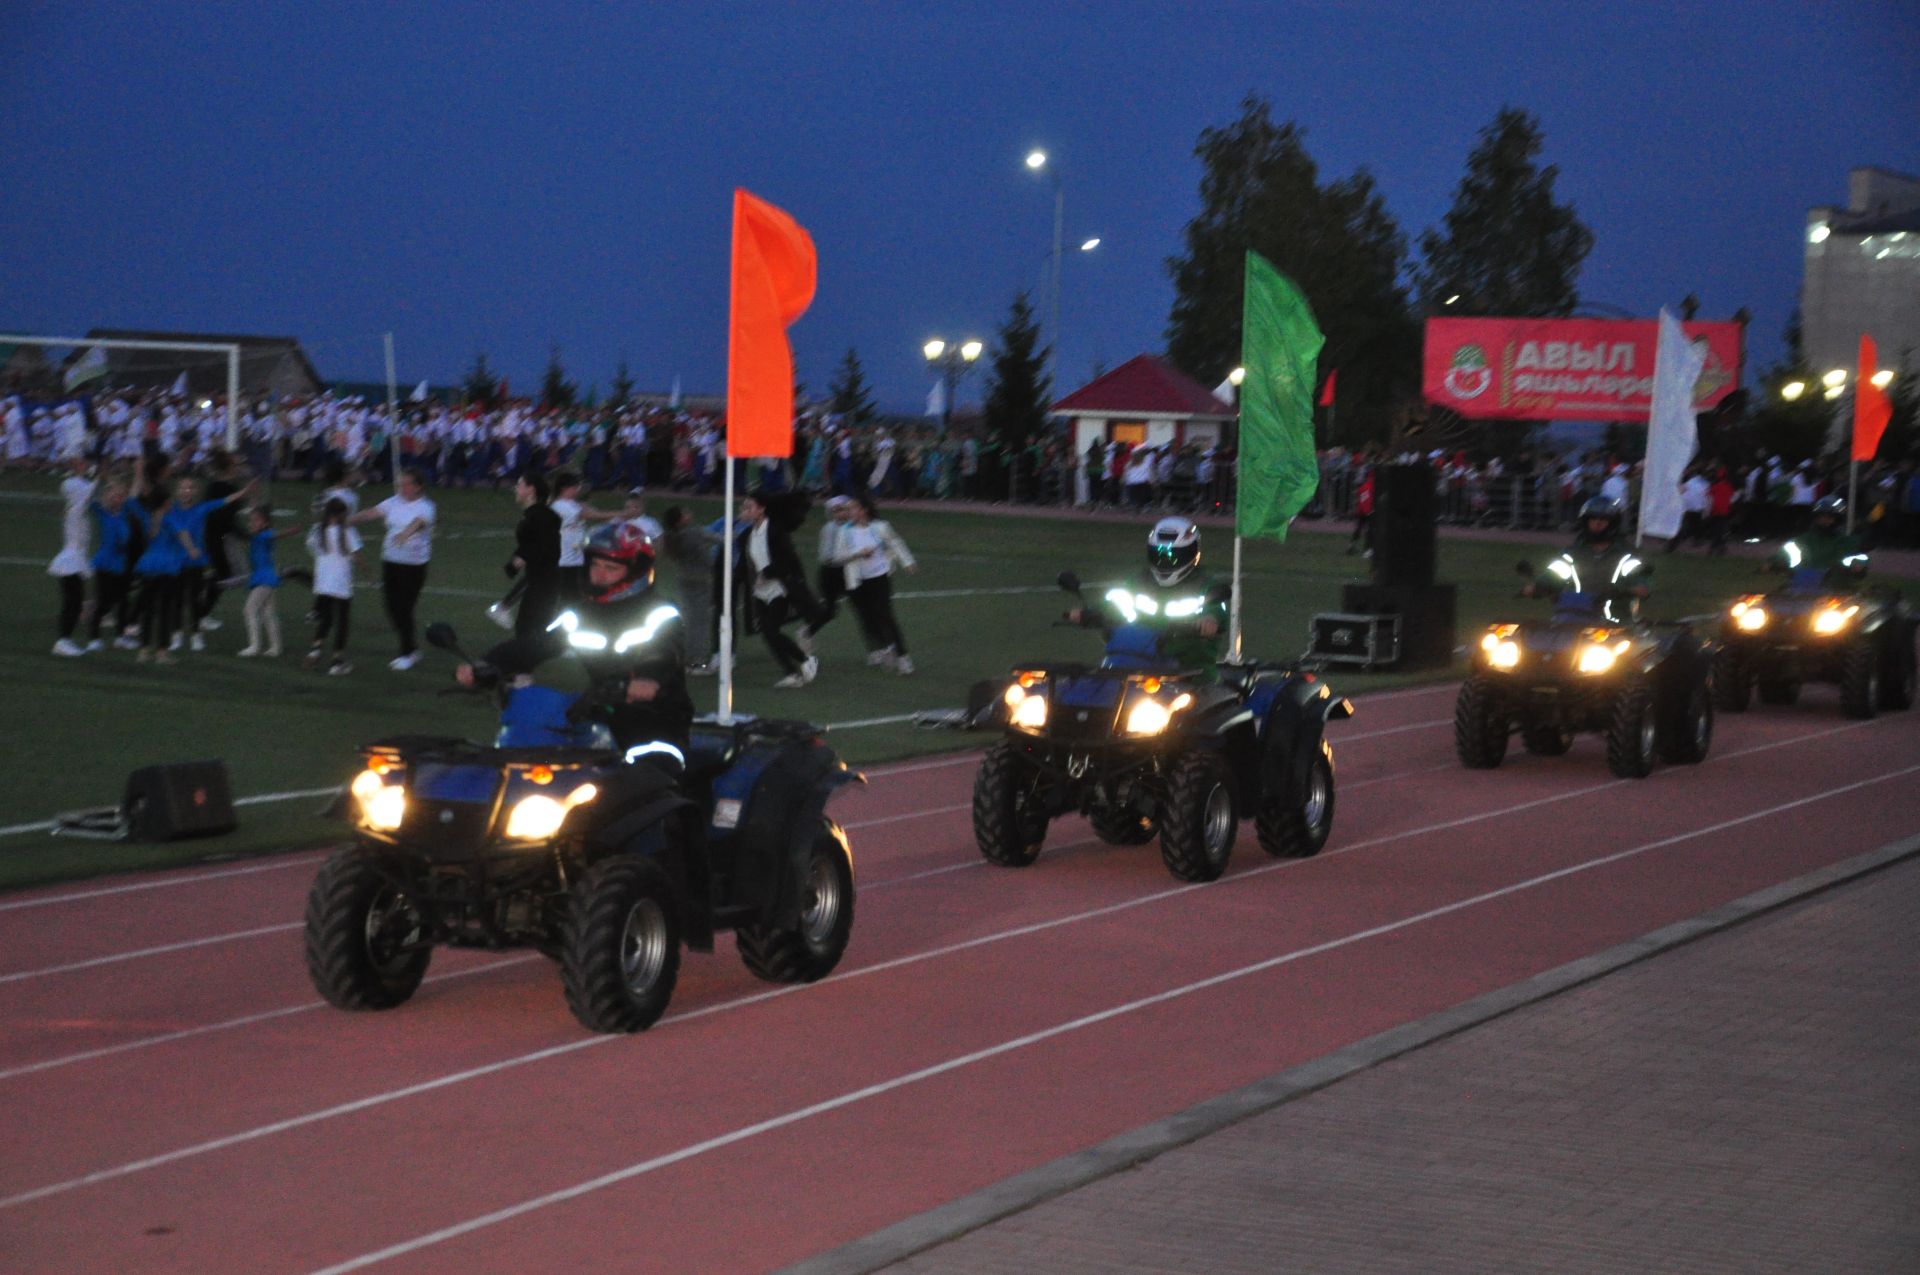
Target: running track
[{"x": 177, "y": 1099}]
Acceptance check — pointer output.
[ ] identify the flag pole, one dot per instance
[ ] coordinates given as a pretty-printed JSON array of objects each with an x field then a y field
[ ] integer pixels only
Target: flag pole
[
  {"x": 1853, "y": 490},
  {"x": 1233, "y": 618},
  {"x": 726, "y": 598},
  {"x": 393, "y": 416}
]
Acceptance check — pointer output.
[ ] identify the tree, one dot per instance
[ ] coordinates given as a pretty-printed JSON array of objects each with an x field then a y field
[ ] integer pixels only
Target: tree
[
  {"x": 480, "y": 386},
  {"x": 1509, "y": 248},
  {"x": 1261, "y": 190},
  {"x": 848, "y": 395},
  {"x": 622, "y": 388},
  {"x": 1018, "y": 389},
  {"x": 555, "y": 389}
]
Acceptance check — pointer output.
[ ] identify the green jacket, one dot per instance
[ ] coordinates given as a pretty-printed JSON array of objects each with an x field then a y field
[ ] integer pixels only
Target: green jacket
[
  {"x": 1174, "y": 612},
  {"x": 1586, "y": 568},
  {"x": 1821, "y": 550}
]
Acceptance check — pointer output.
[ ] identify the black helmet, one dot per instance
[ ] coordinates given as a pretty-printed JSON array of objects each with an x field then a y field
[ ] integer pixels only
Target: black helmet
[
  {"x": 1603, "y": 507},
  {"x": 1173, "y": 549},
  {"x": 1834, "y": 507}
]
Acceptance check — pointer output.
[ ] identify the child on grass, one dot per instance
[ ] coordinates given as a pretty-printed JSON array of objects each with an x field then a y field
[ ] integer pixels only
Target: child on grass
[
  {"x": 335, "y": 547},
  {"x": 263, "y": 578}
]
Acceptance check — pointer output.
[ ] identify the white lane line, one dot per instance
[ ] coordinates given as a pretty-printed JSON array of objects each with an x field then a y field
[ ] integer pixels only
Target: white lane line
[
  {"x": 911, "y": 814},
  {"x": 297, "y": 861},
  {"x": 899, "y": 962},
  {"x": 1344, "y": 738},
  {"x": 960, "y": 1061},
  {"x": 248, "y": 1020},
  {"x": 117, "y": 957},
  {"x": 880, "y": 721}
]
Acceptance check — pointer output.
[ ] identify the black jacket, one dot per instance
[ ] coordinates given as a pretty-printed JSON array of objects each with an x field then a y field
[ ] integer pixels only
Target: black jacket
[{"x": 536, "y": 542}]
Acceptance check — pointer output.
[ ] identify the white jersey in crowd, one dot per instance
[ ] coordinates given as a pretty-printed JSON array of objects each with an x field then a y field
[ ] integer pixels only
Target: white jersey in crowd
[
  {"x": 333, "y": 549},
  {"x": 573, "y": 533},
  {"x": 409, "y": 539},
  {"x": 1695, "y": 494},
  {"x": 76, "y": 529}
]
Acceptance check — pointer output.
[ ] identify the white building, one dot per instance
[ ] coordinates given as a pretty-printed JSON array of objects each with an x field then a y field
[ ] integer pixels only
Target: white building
[{"x": 1862, "y": 274}]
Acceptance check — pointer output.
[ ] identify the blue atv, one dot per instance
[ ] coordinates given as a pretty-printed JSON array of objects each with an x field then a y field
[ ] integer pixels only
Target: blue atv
[
  {"x": 1144, "y": 749},
  {"x": 1647, "y": 686},
  {"x": 1823, "y": 626},
  {"x": 551, "y": 838}
]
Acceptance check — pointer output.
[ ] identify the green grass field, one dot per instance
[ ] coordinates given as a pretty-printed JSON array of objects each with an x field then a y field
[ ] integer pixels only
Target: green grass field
[{"x": 75, "y": 728}]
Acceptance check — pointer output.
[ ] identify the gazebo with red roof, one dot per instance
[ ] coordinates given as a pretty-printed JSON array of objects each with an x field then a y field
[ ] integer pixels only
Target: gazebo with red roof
[{"x": 1145, "y": 400}]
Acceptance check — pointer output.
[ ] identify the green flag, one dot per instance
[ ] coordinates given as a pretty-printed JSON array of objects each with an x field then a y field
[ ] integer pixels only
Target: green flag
[{"x": 1279, "y": 347}]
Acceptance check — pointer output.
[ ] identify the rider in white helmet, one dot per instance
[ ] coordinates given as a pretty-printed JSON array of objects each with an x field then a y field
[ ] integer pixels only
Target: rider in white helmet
[{"x": 1173, "y": 595}]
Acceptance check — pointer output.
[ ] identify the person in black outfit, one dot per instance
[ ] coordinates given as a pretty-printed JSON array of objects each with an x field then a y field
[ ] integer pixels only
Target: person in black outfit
[
  {"x": 223, "y": 481},
  {"x": 536, "y": 558},
  {"x": 629, "y": 640},
  {"x": 779, "y": 584}
]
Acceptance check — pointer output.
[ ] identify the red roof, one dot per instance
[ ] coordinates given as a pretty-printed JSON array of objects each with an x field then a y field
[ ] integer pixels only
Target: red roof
[{"x": 1147, "y": 386}]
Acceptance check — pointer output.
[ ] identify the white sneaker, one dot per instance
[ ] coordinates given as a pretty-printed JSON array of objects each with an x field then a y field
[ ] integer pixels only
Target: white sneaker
[
  {"x": 791, "y": 682},
  {"x": 125, "y": 643},
  {"x": 876, "y": 658},
  {"x": 401, "y": 663},
  {"x": 809, "y": 670},
  {"x": 68, "y": 647},
  {"x": 339, "y": 668},
  {"x": 208, "y": 624},
  {"x": 272, "y": 652},
  {"x": 197, "y": 642},
  {"x": 804, "y": 640},
  {"x": 500, "y": 615},
  {"x": 96, "y": 645},
  {"x": 904, "y": 665},
  {"x": 177, "y": 641},
  {"x": 247, "y": 652}
]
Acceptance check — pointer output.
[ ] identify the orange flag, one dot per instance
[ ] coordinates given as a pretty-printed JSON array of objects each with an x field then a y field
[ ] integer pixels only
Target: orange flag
[
  {"x": 1871, "y": 408},
  {"x": 773, "y": 282}
]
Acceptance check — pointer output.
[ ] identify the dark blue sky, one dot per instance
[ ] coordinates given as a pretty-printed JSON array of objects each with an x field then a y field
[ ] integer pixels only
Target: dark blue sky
[{"x": 495, "y": 177}]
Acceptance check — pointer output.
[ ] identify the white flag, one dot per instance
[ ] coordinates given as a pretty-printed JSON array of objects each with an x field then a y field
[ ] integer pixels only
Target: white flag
[
  {"x": 1677, "y": 364},
  {"x": 1227, "y": 392},
  {"x": 419, "y": 393},
  {"x": 90, "y": 366},
  {"x": 179, "y": 386},
  {"x": 937, "y": 399},
  {"x": 673, "y": 399}
]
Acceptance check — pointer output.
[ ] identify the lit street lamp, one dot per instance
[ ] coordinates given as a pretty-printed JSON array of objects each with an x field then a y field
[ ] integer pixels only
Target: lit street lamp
[
  {"x": 1037, "y": 162},
  {"x": 952, "y": 362}
]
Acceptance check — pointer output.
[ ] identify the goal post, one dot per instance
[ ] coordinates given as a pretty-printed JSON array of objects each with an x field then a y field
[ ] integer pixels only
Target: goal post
[{"x": 230, "y": 349}]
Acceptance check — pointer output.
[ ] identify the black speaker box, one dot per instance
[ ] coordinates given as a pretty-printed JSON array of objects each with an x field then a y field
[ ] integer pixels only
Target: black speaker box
[
  {"x": 184, "y": 799},
  {"x": 1405, "y": 517},
  {"x": 1426, "y": 618}
]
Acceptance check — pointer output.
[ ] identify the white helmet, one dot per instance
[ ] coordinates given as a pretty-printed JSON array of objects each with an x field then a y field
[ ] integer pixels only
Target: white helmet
[{"x": 1173, "y": 550}]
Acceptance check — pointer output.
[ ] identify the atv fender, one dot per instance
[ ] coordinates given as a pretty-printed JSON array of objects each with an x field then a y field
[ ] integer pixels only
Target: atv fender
[
  {"x": 683, "y": 856},
  {"x": 775, "y": 837},
  {"x": 1295, "y": 733}
]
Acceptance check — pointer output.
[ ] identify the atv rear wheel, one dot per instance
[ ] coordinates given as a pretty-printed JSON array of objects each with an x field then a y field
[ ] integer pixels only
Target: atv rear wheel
[
  {"x": 1200, "y": 820},
  {"x": 1479, "y": 728},
  {"x": 1860, "y": 678},
  {"x": 623, "y": 945},
  {"x": 808, "y": 952},
  {"x": 1122, "y": 826},
  {"x": 1547, "y": 741},
  {"x": 1897, "y": 685},
  {"x": 1779, "y": 691},
  {"x": 366, "y": 942},
  {"x": 1632, "y": 733},
  {"x": 1732, "y": 683},
  {"x": 1689, "y": 732},
  {"x": 1006, "y": 826},
  {"x": 1296, "y": 825}
]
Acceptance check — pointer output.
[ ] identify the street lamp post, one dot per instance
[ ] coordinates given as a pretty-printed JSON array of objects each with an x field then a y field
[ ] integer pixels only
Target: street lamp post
[{"x": 951, "y": 362}]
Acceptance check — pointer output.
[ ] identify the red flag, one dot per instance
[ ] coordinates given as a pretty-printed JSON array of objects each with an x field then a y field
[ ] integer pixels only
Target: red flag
[
  {"x": 1326, "y": 391},
  {"x": 773, "y": 282},
  {"x": 1871, "y": 409}
]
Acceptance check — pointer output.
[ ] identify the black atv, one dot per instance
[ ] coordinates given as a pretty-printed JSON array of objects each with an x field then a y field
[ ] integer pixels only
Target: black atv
[
  {"x": 1144, "y": 749},
  {"x": 1822, "y": 626},
  {"x": 1646, "y": 686},
  {"x": 551, "y": 838}
]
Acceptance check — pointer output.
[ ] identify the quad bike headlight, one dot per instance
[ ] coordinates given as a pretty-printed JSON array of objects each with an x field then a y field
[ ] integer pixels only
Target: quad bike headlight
[
  {"x": 538, "y": 817},
  {"x": 1831, "y": 619},
  {"x": 1030, "y": 710},
  {"x": 1749, "y": 616},
  {"x": 382, "y": 805},
  {"x": 1501, "y": 650},
  {"x": 1597, "y": 657},
  {"x": 1149, "y": 716}
]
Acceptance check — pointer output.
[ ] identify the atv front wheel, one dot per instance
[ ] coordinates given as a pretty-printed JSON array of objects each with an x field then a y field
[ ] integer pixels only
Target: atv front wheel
[
  {"x": 1690, "y": 731},
  {"x": 808, "y": 952},
  {"x": 1547, "y": 741},
  {"x": 1200, "y": 821},
  {"x": 366, "y": 941},
  {"x": 623, "y": 945},
  {"x": 1780, "y": 691},
  {"x": 1897, "y": 686},
  {"x": 1006, "y": 826},
  {"x": 1296, "y": 825},
  {"x": 1122, "y": 826},
  {"x": 1479, "y": 727},
  {"x": 1632, "y": 733},
  {"x": 1860, "y": 678},
  {"x": 1732, "y": 683}
]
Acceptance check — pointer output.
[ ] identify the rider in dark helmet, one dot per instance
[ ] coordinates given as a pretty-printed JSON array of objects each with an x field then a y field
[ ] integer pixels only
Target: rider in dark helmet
[
  {"x": 1599, "y": 564},
  {"x": 628, "y": 639},
  {"x": 1825, "y": 545}
]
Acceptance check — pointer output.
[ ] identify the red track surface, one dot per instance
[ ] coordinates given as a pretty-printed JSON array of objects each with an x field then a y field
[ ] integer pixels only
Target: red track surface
[{"x": 178, "y": 1100}]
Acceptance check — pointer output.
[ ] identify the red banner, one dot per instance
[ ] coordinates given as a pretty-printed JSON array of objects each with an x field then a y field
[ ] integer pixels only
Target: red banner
[{"x": 1563, "y": 369}]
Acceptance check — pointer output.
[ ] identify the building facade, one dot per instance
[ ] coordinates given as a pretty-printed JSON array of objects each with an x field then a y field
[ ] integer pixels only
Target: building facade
[{"x": 1862, "y": 274}]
